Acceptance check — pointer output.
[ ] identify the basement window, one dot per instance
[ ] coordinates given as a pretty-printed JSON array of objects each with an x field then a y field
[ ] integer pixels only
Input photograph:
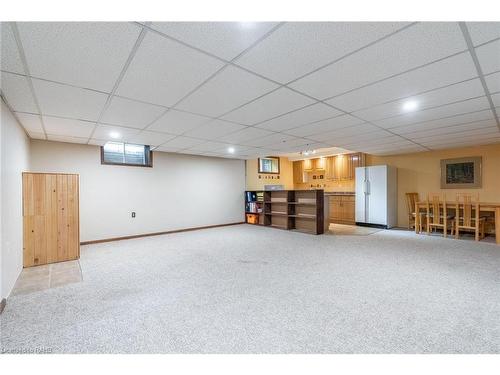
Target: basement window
[{"x": 119, "y": 153}]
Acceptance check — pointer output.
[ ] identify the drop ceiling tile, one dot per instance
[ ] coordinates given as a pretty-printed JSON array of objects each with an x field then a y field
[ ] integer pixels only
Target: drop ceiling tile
[
  {"x": 68, "y": 101},
  {"x": 97, "y": 142},
  {"x": 290, "y": 145},
  {"x": 226, "y": 91},
  {"x": 454, "y": 129},
  {"x": 17, "y": 92},
  {"x": 496, "y": 100},
  {"x": 444, "y": 122},
  {"x": 66, "y": 139},
  {"x": 34, "y": 135},
  {"x": 275, "y": 138},
  {"x": 31, "y": 123},
  {"x": 177, "y": 122},
  {"x": 181, "y": 143},
  {"x": 310, "y": 45},
  {"x": 313, "y": 113},
  {"x": 453, "y": 109},
  {"x": 271, "y": 105},
  {"x": 466, "y": 136},
  {"x": 324, "y": 126},
  {"x": 167, "y": 149},
  {"x": 223, "y": 39},
  {"x": 483, "y": 140},
  {"x": 493, "y": 82},
  {"x": 130, "y": 113},
  {"x": 214, "y": 129},
  {"x": 10, "y": 59},
  {"x": 68, "y": 127},
  {"x": 164, "y": 71},
  {"x": 84, "y": 54},
  {"x": 103, "y": 132},
  {"x": 150, "y": 138},
  {"x": 415, "y": 46},
  {"x": 482, "y": 32},
  {"x": 245, "y": 135},
  {"x": 446, "y": 95},
  {"x": 442, "y": 73},
  {"x": 349, "y": 131},
  {"x": 489, "y": 57},
  {"x": 208, "y": 146}
]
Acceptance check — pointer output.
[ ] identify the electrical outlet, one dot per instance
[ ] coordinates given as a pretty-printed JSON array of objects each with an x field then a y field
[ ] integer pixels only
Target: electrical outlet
[{"x": 133, "y": 214}]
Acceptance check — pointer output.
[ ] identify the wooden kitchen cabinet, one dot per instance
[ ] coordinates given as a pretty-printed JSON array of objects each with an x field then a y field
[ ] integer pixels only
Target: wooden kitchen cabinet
[
  {"x": 299, "y": 175},
  {"x": 342, "y": 209},
  {"x": 307, "y": 164},
  {"x": 319, "y": 164},
  {"x": 330, "y": 170}
]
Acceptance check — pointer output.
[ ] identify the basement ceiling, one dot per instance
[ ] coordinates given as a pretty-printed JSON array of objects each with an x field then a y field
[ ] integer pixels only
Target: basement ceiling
[{"x": 259, "y": 88}]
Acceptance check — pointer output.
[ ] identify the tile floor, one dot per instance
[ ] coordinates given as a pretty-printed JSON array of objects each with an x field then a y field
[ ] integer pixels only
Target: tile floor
[
  {"x": 39, "y": 278},
  {"x": 351, "y": 230}
]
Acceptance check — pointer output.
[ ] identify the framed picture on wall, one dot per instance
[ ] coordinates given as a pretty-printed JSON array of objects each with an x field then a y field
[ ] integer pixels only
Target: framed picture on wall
[
  {"x": 461, "y": 173},
  {"x": 269, "y": 164}
]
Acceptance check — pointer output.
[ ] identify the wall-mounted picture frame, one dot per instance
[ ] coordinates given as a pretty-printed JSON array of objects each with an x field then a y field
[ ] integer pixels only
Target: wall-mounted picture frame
[
  {"x": 269, "y": 165},
  {"x": 461, "y": 173}
]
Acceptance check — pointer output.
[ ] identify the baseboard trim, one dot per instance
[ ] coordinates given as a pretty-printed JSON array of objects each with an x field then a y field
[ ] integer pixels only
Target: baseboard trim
[
  {"x": 157, "y": 233},
  {"x": 2, "y": 305}
]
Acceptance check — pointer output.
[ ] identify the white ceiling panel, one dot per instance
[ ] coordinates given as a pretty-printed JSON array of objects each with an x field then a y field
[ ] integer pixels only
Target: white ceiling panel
[
  {"x": 209, "y": 146},
  {"x": 10, "y": 59},
  {"x": 31, "y": 123},
  {"x": 245, "y": 135},
  {"x": 68, "y": 101},
  {"x": 177, "y": 122},
  {"x": 438, "y": 74},
  {"x": 104, "y": 132},
  {"x": 97, "y": 142},
  {"x": 493, "y": 82},
  {"x": 310, "y": 45},
  {"x": 229, "y": 89},
  {"x": 449, "y": 94},
  {"x": 476, "y": 141},
  {"x": 450, "y": 129},
  {"x": 291, "y": 144},
  {"x": 181, "y": 143},
  {"x": 482, "y": 32},
  {"x": 150, "y": 138},
  {"x": 167, "y": 149},
  {"x": 324, "y": 126},
  {"x": 349, "y": 131},
  {"x": 467, "y": 136},
  {"x": 489, "y": 57},
  {"x": 66, "y": 139},
  {"x": 271, "y": 105},
  {"x": 17, "y": 92},
  {"x": 84, "y": 54},
  {"x": 68, "y": 127},
  {"x": 214, "y": 130},
  {"x": 35, "y": 135},
  {"x": 444, "y": 122},
  {"x": 275, "y": 138},
  {"x": 410, "y": 48},
  {"x": 130, "y": 113},
  {"x": 313, "y": 113},
  {"x": 223, "y": 39},
  {"x": 496, "y": 100},
  {"x": 163, "y": 71},
  {"x": 466, "y": 106}
]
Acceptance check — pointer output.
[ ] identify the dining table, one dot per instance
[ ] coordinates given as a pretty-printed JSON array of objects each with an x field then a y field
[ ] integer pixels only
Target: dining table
[{"x": 483, "y": 207}]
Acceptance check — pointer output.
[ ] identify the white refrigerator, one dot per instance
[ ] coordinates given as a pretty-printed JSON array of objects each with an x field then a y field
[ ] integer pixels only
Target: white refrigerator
[{"x": 376, "y": 196}]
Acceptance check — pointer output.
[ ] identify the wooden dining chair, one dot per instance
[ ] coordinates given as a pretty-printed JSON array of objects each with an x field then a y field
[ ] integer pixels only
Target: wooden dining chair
[
  {"x": 411, "y": 200},
  {"x": 467, "y": 215},
  {"x": 437, "y": 214}
]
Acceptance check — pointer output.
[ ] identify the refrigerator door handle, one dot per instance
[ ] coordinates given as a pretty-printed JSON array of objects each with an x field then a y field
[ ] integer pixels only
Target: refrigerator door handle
[{"x": 366, "y": 187}]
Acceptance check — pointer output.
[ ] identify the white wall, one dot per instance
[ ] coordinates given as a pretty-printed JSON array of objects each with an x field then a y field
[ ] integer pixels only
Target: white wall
[
  {"x": 180, "y": 191},
  {"x": 14, "y": 160}
]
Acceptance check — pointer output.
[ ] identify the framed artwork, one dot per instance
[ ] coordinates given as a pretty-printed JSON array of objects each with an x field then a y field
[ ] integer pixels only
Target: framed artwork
[
  {"x": 461, "y": 173},
  {"x": 269, "y": 164}
]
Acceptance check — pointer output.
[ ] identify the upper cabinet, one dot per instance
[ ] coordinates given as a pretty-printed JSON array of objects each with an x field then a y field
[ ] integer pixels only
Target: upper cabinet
[{"x": 334, "y": 168}]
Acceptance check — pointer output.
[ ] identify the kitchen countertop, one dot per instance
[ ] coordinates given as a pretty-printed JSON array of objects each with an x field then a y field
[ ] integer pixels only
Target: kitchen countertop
[{"x": 339, "y": 193}]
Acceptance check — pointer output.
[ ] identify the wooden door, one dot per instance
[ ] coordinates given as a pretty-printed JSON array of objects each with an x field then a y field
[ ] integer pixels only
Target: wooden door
[
  {"x": 348, "y": 210},
  {"x": 51, "y": 218}
]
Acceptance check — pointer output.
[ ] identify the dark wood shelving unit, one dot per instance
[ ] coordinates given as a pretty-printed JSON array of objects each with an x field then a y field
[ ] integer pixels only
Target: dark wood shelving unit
[{"x": 297, "y": 210}]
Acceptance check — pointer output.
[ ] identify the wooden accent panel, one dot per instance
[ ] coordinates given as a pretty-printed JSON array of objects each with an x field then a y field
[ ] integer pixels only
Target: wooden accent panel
[{"x": 51, "y": 218}]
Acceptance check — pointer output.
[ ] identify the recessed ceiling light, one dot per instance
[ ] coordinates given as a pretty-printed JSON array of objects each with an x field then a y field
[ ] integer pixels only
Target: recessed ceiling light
[
  {"x": 410, "y": 105},
  {"x": 230, "y": 150},
  {"x": 114, "y": 135}
]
